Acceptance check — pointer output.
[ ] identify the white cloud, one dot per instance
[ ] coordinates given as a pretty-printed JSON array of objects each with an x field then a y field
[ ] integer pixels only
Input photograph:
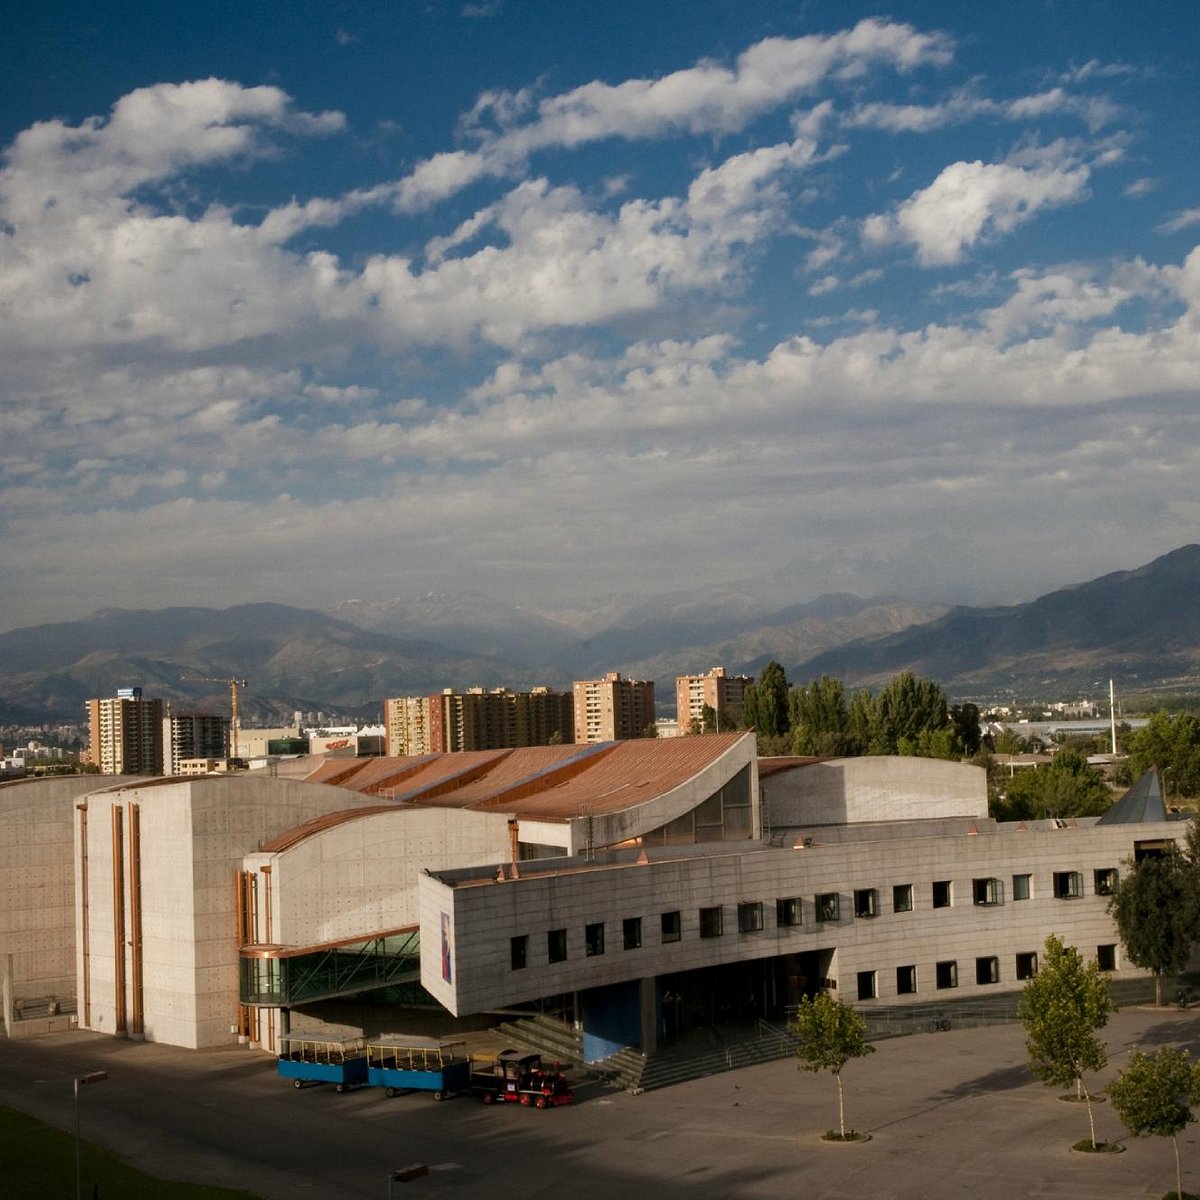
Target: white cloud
[
  {"x": 1141, "y": 187},
  {"x": 1183, "y": 220},
  {"x": 971, "y": 201}
]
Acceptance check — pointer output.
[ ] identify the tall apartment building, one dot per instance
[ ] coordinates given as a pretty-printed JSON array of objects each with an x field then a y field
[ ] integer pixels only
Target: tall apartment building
[
  {"x": 478, "y": 720},
  {"x": 193, "y": 735},
  {"x": 612, "y": 709},
  {"x": 725, "y": 694},
  {"x": 125, "y": 734}
]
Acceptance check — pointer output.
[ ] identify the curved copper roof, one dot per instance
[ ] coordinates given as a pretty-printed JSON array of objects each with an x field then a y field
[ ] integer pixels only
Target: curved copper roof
[{"x": 554, "y": 783}]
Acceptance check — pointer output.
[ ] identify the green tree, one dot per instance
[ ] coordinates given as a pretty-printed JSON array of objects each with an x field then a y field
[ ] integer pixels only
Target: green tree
[
  {"x": 1066, "y": 787},
  {"x": 765, "y": 704},
  {"x": 820, "y": 718},
  {"x": 1156, "y": 908},
  {"x": 965, "y": 719},
  {"x": 831, "y": 1033},
  {"x": 902, "y": 709},
  {"x": 861, "y": 709},
  {"x": 1154, "y": 1096},
  {"x": 1061, "y": 1008},
  {"x": 1010, "y": 742},
  {"x": 1172, "y": 743}
]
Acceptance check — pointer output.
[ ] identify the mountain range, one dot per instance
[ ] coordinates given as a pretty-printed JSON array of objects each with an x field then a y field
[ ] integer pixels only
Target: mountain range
[{"x": 1141, "y": 627}]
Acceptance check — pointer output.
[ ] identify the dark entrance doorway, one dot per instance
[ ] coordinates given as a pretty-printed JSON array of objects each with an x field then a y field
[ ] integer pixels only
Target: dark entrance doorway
[{"x": 737, "y": 995}]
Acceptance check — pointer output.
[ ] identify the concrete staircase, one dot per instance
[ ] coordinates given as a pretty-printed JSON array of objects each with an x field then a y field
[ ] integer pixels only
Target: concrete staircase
[
  {"x": 677, "y": 1064},
  {"x": 703, "y": 1053},
  {"x": 555, "y": 1041}
]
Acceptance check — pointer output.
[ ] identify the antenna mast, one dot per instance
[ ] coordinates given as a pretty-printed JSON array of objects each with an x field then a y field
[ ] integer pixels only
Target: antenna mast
[{"x": 1112, "y": 714}]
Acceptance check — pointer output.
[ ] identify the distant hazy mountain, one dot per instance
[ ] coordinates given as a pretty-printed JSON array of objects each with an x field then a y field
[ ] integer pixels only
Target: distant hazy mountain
[
  {"x": 290, "y": 657},
  {"x": 1142, "y": 627}
]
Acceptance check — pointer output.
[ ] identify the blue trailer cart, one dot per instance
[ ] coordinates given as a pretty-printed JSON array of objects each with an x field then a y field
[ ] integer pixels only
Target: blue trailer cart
[
  {"x": 403, "y": 1063},
  {"x": 306, "y": 1059}
]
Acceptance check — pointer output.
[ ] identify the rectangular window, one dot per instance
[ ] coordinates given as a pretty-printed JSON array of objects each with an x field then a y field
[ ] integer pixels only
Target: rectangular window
[
  {"x": 1106, "y": 957},
  {"x": 631, "y": 930},
  {"x": 906, "y": 981},
  {"x": 671, "y": 927},
  {"x": 750, "y": 917},
  {"x": 946, "y": 975},
  {"x": 711, "y": 922},
  {"x": 866, "y": 902},
  {"x": 1027, "y": 965},
  {"x": 519, "y": 950},
  {"x": 867, "y": 989},
  {"x": 1068, "y": 885},
  {"x": 902, "y": 897},
  {"x": 1106, "y": 881},
  {"x": 988, "y": 891},
  {"x": 942, "y": 894},
  {"x": 1021, "y": 888},
  {"x": 788, "y": 912},
  {"x": 556, "y": 945},
  {"x": 987, "y": 970},
  {"x": 829, "y": 906},
  {"x": 594, "y": 939}
]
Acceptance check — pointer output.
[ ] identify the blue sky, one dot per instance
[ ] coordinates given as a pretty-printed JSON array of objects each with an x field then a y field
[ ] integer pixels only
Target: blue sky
[{"x": 572, "y": 303}]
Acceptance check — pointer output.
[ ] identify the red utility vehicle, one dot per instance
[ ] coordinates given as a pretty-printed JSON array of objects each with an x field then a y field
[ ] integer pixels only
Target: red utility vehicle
[{"x": 520, "y": 1078}]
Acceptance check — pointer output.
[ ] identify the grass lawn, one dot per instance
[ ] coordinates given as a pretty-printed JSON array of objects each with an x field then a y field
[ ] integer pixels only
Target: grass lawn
[{"x": 38, "y": 1161}]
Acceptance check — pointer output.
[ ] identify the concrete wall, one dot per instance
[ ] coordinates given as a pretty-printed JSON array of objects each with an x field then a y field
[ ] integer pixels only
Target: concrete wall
[
  {"x": 847, "y": 790},
  {"x": 360, "y": 877},
  {"x": 193, "y": 836},
  {"x": 37, "y": 895},
  {"x": 484, "y": 916}
]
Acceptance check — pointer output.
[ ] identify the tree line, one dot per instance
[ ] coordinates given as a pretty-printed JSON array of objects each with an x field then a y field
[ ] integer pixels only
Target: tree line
[
  {"x": 908, "y": 716},
  {"x": 911, "y": 715}
]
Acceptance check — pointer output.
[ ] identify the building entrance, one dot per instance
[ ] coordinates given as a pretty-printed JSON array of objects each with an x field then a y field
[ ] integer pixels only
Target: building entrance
[{"x": 736, "y": 995}]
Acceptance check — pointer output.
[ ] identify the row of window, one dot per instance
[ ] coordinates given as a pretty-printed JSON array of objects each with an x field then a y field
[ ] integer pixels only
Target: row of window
[
  {"x": 1066, "y": 885},
  {"x": 987, "y": 970},
  {"x": 827, "y": 908},
  {"x": 712, "y": 924}
]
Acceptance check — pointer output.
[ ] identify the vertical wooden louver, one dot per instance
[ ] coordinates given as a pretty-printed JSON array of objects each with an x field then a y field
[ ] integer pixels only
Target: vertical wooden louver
[
  {"x": 118, "y": 891},
  {"x": 135, "y": 918},
  {"x": 84, "y": 931}
]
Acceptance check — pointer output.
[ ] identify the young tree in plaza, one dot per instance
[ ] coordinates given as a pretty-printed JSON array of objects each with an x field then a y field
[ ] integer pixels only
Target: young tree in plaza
[
  {"x": 831, "y": 1033},
  {"x": 1154, "y": 1097},
  {"x": 1157, "y": 911},
  {"x": 1062, "y": 1007}
]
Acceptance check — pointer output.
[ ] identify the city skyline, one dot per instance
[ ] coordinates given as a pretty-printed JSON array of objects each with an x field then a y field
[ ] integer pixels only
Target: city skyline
[{"x": 568, "y": 306}]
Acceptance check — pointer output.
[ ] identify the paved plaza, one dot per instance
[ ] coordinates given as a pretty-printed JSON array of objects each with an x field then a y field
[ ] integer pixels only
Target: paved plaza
[{"x": 950, "y": 1114}]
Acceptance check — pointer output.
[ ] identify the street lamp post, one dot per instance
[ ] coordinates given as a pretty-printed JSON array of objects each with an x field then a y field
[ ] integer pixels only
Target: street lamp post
[{"x": 91, "y": 1077}]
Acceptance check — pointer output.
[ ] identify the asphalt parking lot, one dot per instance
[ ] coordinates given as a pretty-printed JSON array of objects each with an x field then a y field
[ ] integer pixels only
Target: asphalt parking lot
[{"x": 950, "y": 1114}]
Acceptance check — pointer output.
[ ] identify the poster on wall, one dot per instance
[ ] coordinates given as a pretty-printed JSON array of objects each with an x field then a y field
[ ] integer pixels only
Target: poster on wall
[{"x": 446, "y": 947}]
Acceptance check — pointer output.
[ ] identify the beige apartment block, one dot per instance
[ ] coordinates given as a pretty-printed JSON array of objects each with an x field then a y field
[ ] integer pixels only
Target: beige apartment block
[
  {"x": 725, "y": 694},
  {"x": 612, "y": 709},
  {"x": 478, "y": 719},
  {"x": 125, "y": 734}
]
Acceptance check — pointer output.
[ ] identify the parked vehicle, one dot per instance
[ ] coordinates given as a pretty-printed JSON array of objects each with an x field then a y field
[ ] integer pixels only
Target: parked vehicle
[
  {"x": 518, "y": 1077},
  {"x": 403, "y": 1063},
  {"x": 307, "y": 1060}
]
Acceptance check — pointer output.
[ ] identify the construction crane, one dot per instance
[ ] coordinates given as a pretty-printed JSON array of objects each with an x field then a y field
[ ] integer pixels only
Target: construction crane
[{"x": 233, "y": 685}]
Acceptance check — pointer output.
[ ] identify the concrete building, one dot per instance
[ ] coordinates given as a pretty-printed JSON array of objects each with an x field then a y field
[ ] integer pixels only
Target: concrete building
[
  {"x": 725, "y": 694},
  {"x": 612, "y": 709},
  {"x": 638, "y": 888},
  {"x": 37, "y": 891},
  {"x": 189, "y": 736},
  {"x": 476, "y": 719},
  {"x": 125, "y": 734}
]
